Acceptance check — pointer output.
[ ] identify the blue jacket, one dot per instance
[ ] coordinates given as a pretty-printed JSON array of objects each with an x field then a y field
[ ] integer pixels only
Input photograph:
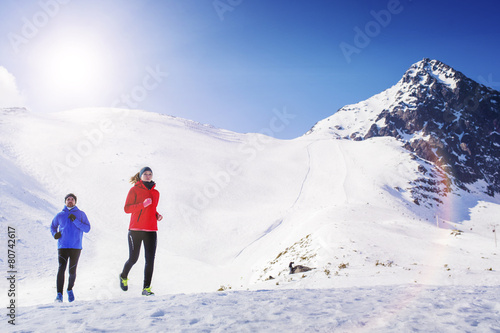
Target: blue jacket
[{"x": 71, "y": 231}]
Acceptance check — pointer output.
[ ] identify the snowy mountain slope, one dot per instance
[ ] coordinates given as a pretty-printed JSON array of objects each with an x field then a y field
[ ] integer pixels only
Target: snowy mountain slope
[
  {"x": 238, "y": 208},
  {"x": 93, "y": 152}
]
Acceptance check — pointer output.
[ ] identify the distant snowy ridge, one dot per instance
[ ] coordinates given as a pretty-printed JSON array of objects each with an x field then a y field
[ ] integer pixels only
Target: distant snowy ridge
[{"x": 355, "y": 120}]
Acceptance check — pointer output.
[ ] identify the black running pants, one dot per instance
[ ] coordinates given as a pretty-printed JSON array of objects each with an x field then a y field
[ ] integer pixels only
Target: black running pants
[
  {"x": 135, "y": 238},
  {"x": 65, "y": 255}
]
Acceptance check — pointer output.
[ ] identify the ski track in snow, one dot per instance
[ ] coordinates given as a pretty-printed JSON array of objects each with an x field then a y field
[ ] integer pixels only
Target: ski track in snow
[
  {"x": 280, "y": 221},
  {"x": 402, "y": 308},
  {"x": 308, "y": 148}
]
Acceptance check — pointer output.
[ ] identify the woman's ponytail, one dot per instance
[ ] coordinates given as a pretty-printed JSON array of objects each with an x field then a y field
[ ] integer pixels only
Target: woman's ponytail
[{"x": 135, "y": 178}]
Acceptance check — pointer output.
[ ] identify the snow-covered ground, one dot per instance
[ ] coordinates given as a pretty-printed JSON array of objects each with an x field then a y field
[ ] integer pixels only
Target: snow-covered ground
[
  {"x": 238, "y": 209},
  {"x": 399, "y": 308}
]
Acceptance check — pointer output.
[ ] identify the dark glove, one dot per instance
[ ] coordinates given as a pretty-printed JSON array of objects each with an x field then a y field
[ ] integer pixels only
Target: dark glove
[
  {"x": 57, "y": 235},
  {"x": 72, "y": 217}
]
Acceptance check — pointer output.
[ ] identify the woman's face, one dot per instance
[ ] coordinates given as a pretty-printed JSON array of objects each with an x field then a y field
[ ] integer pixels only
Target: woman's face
[{"x": 147, "y": 176}]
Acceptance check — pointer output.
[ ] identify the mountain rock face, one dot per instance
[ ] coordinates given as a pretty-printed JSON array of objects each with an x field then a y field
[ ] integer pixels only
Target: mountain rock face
[{"x": 440, "y": 115}]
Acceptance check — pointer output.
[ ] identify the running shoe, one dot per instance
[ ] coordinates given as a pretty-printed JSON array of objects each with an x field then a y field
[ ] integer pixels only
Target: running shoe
[
  {"x": 71, "y": 296},
  {"x": 147, "y": 292},
  {"x": 123, "y": 283}
]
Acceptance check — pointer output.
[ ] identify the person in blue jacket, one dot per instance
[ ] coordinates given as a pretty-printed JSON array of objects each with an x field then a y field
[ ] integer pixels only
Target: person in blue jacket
[{"x": 68, "y": 227}]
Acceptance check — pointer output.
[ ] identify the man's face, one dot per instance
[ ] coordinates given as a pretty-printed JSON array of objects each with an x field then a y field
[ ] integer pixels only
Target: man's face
[{"x": 70, "y": 202}]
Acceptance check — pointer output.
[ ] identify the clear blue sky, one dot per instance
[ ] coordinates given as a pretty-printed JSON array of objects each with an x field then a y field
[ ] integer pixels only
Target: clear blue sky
[{"x": 235, "y": 64}]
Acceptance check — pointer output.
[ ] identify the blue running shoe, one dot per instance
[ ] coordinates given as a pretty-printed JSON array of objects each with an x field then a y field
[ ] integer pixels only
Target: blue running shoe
[
  {"x": 71, "y": 296},
  {"x": 59, "y": 298}
]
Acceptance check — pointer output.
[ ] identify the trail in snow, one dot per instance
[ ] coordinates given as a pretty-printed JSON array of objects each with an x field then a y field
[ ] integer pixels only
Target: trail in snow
[
  {"x": 345, "y": 168},
  {"x": 279, "y": 222},
  {"x": 305, "y": 177}
]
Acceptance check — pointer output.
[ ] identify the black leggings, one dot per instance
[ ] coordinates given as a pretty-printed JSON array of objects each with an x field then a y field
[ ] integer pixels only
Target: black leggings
[
  {"x": 135, "y": 238},
  {"x": 65, "y": 255}
]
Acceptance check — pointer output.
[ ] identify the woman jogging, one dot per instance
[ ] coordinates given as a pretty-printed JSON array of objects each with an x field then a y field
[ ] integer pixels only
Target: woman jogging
[{"x": 141, "y": 202}]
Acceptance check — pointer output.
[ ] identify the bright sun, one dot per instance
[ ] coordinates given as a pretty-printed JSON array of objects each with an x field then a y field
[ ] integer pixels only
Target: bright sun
[{"x": 73, "y": 66}]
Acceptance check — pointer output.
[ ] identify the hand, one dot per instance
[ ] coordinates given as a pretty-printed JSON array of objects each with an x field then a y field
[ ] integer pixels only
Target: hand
[
  {"x": 72, "y": 217},
  {"x": 57, "y": 235},
  {"x": 159, "y": 217},
  {"x": 147, "y": 202}
]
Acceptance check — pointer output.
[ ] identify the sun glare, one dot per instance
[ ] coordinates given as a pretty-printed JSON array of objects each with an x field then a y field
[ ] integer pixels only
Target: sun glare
[{"x": 73, "y": 67}]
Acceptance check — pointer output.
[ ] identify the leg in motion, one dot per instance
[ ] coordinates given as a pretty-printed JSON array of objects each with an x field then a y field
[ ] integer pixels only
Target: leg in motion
[
  {"x": 63, "y": 257},
  {"x": 134, "y": 248},
  {"x": 73, "y": 264},
  {"x": 149, "y": 254}
]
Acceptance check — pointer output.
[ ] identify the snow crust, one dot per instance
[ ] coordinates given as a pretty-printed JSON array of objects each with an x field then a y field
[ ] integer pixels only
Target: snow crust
[{"x": 237, "y": 209}]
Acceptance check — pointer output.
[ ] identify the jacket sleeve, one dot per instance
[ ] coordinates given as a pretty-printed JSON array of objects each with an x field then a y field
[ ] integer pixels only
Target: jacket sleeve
[
  {"x": 83, "y": 223},
  {"x": 157, "y": 200},
  {"x": 54, "y": 225},
  {"x": 130, "y": 205}
]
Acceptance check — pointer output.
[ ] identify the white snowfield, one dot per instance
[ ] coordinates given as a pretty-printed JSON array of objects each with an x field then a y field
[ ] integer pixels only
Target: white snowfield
[
  {"x": 400, "y": 308},
  {"x": 238, "y": 208}
]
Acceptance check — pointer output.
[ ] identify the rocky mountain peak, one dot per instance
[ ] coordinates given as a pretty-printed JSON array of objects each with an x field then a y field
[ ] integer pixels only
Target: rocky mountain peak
[
  {"x": 427, "y": 72},
  {"x": 440, "y": 115}
]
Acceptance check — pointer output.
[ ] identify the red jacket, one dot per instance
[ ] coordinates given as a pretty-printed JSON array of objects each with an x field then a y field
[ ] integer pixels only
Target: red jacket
[{"x": 143, "y": 218}]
